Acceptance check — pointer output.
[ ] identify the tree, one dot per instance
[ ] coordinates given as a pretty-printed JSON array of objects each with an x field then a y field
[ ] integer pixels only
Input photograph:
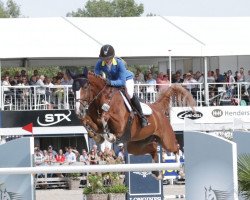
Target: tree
[
  {"x": 104, "y": 8},
  {"x": 11, "y": 10},
  {"x": 244, "y": 175}
]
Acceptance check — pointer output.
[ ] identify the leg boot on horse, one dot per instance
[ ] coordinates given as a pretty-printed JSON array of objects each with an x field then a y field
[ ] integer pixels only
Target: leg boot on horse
[{"x": 135, "y": 102}]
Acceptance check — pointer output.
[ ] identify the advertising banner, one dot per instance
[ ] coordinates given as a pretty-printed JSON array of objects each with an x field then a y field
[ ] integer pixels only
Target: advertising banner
[
  {"x": 210, "y": 118},
  {"x": 17, "y": 153},
  {"x": 210, "y": 167},
  {"x": 43, "y": 122},
  {"x": 142, "y": 185},
  {"x": 43, "y": 118}
]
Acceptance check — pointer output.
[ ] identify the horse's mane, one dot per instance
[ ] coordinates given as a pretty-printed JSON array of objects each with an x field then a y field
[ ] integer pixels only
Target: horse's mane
[
  {"x": 96, "y": 79},
  {"x": 176, "y": 94}
]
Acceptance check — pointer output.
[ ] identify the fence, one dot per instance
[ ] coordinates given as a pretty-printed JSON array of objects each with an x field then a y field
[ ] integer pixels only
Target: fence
[
  {"x": 91, "y": 168},
  {"x": 62, "y": 97}
]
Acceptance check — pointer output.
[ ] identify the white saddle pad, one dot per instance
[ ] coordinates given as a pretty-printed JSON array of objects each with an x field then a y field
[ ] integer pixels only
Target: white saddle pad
[{"x": 145, "y": 108}]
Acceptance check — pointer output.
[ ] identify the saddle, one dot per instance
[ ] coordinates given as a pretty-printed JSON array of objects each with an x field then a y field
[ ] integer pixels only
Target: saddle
[{"x": 145, "y": 108}]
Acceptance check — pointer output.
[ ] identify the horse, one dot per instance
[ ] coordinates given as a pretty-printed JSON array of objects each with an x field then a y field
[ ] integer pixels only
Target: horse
[
  {"x": 93, "y": 95},
  {"x": 211, "y": 194}
]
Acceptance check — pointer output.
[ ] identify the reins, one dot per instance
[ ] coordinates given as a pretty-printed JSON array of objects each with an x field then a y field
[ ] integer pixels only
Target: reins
[{"x": 81, "y": 100}]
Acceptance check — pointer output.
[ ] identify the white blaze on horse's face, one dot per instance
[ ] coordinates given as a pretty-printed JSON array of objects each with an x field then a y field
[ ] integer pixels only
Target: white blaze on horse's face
[{"x": 78, "y": 104}]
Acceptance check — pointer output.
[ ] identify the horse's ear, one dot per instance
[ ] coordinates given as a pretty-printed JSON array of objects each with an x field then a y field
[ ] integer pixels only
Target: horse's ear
[
  {"x": 85, "y": 71},
  {"x": 70, "y": 73}
]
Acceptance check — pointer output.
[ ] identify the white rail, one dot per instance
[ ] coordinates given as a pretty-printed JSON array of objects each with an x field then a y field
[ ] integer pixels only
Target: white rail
[{"x": 92, "y": 168}]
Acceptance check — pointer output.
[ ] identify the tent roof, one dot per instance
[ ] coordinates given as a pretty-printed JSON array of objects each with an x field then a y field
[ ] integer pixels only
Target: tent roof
[{"x": 76, "y": 41}]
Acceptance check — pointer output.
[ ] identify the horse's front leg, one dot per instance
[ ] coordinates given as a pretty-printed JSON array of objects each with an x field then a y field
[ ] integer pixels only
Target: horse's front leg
[
  {"x": 92, "y": 129},
  {"x": 106, "y": 131}
]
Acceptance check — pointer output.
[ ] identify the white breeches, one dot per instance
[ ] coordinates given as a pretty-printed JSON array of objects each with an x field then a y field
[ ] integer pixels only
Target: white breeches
[{"x": 130, "y": 87}]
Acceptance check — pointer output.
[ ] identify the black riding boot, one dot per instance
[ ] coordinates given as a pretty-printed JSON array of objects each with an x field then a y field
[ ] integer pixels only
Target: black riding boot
[{"x": 135, "y": 102}]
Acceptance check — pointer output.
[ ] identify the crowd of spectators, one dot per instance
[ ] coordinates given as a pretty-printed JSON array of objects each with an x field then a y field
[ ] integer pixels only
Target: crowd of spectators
[
  {"x": 155, "y": 82},
  {"x": 44, "y": 86},
  {"x": 194, "y": 82},
  {"x": 71, "y": 156}
]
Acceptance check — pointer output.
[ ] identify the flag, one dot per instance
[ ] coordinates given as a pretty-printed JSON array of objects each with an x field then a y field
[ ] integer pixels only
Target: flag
[{"x": 28, "y": 127}]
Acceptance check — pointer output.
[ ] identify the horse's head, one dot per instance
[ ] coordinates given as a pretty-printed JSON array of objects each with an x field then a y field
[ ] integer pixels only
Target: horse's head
[
  {"x": 87, "y": 87},
  {"x": 80, "y": 88},
  {"x": 209, "y": 194},
  {"x": 5, "y": 195}
]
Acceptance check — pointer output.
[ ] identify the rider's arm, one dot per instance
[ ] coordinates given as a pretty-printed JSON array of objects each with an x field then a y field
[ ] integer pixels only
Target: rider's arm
[
  {"x": 122, "y": 73},
  {"x": 98, "y": 66}
]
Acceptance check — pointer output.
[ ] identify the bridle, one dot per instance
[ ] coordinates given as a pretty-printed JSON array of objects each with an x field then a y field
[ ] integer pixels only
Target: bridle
[
  {"x": 106, "y": 106},
  {"x": 88, "y": 98}
]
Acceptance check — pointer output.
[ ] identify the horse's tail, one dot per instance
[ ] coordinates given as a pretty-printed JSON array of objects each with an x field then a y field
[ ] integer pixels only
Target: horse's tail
[{"x": 177, "y": 95}]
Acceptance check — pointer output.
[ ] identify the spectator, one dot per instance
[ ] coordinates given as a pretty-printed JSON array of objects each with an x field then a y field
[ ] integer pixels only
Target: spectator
[
  {"x": 84, "y": 158},
  {"x": 39, "y": 160},
  {"x": 101, "y": 158},
  {"x": 140, "y": 75},
  {"x": 121, "y": 154},
  {"x": 200, "y": 78},
  {"x": 9, "y": 94},
  {"x": 178, "y": 78},
  {"x": 219, "y": 78},
  {"x": 189, "y": 79},
  {"x": 60, "y": 158},
  {"x": 248, "y": 85},
  {"x": 93, "y": 158},
  {"x": 41, "y": 90},
  {"x": 66, "y": 80},
  {"x": 230, "y": 85},
  {"x": 50, "y": 149},
  {"x": 71, "y": 157},
  {"x": 151, "y": 88},
  {"x": 24, "y": 92},
  {"x": 164, "y": 81},
  {"x": 38, "y": 157},
  {"x": 58, "y": 94},
  {"x": 32, "y": 80}
]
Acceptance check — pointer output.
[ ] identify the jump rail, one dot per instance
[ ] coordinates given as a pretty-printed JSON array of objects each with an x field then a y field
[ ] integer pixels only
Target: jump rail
[{"x": 92, "y": 168}]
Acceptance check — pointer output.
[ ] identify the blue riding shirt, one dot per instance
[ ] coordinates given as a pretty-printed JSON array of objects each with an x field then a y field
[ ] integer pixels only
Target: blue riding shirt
[{"x": 116, "y": 73}]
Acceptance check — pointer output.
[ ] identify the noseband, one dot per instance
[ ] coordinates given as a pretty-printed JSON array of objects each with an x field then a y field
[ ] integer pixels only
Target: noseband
[{"x": 88, "y": 99}]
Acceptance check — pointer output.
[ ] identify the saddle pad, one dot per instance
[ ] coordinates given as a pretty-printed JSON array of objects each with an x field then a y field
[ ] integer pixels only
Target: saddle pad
[{"x": 145, "y": 108}]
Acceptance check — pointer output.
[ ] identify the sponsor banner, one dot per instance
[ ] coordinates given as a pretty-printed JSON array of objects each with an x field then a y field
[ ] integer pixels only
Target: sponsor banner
[
  {"x": 210, "y": 118},
  {"x": 45, "y": 118},
  {"x": 210, "y": 167},
  {"x": 142, "y": 185},
  {"x": 17, "y": 153}
]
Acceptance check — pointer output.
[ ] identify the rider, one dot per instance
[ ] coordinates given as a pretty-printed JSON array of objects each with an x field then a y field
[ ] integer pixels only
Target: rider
[{"x": 117, "y": 75}]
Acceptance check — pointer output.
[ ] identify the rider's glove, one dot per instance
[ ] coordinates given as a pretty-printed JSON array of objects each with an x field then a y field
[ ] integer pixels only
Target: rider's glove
[{"x": 108, "y": 82}]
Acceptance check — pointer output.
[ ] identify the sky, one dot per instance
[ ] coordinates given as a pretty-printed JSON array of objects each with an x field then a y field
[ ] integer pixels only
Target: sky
[{"x": 201, "y": 8}]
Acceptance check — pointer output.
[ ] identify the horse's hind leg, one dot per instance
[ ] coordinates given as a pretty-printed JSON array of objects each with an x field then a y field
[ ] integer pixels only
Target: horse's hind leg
[
  {"x": 141, "y": 148},
  {"x": 167, "y": 136}
]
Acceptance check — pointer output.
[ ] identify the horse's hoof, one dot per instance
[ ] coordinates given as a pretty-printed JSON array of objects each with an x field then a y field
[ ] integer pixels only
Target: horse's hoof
[
  {"x": 110, "y": 137},
  {"x": 91, "y": 134},
  {"x": 99, "y": 139},
  {"x": 157, "y": 175}
]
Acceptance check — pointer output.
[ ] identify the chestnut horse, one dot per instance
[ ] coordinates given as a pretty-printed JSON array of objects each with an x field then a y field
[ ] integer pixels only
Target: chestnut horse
[{"x": 93, "y": 93}]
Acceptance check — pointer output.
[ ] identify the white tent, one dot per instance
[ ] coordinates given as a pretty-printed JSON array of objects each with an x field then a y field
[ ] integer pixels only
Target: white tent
[{"x": 76, "y": 41}]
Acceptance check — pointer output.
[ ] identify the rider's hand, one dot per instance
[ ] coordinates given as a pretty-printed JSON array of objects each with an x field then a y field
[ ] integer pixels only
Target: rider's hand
[{"x": 108, "y": 82}]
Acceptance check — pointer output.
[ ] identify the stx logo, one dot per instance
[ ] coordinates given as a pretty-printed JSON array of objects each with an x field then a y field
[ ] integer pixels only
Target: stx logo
[
  {"x": 217, "y": 113},
  {"x": 52, "y": 119}
]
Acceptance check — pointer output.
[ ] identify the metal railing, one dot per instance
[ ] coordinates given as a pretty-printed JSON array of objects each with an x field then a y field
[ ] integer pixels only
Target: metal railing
[
  {"x": 18, "y": 98},
  {"x": 36, "y": 97}
]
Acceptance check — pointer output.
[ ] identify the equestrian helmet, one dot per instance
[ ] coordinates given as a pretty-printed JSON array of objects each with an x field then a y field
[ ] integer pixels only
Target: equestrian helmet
[{"x": 107, "y": 51}]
